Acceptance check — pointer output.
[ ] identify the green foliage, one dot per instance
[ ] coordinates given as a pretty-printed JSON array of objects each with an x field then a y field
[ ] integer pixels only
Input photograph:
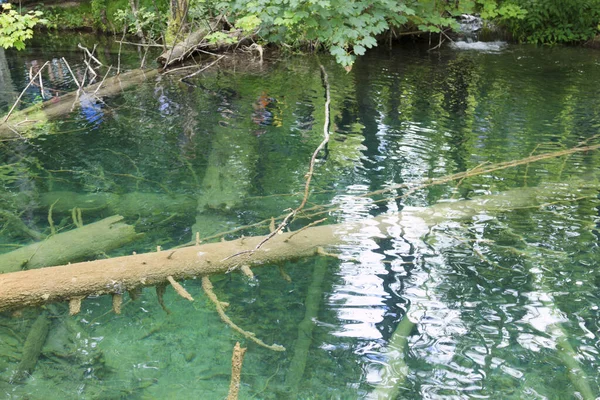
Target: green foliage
[
  {"x": 101, "y": 15},
  {"x": 152, "y": 23},
  {"x": 347, "y": 28},
  {"x": 249, "y": 23},
  {"x": 555, "y": 21},
  {"x": 490, "y": 10},
  {"x": 15, "y": 28},
  {"x": 68, "y": 17},
  {"x": 219, "y": 37}
]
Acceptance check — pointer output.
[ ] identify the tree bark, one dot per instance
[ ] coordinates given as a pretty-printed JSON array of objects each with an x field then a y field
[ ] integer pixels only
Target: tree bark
[
  {"x": 8, "y": 94},
  {"x": 178, "y": 11},
  {"x": 183, "y": 48}
]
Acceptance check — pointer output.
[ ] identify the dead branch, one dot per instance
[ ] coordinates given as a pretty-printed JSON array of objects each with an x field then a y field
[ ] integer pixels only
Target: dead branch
[
  {"x": 208, "y": 289},
  {"x": 203, "y": 69},
  {"x": 308, "y": 175},
  {"x": 179, "y": 289},
  {"x": 23, "y": 92},
  {"x": 236, "y": 370}
]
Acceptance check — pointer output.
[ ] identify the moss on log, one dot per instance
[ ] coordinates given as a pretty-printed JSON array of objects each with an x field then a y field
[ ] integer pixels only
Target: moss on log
[
  {"x": 77, "y": 244},
  {"x": 182, "y": 49},
  {"x": 22, "y": 121}
]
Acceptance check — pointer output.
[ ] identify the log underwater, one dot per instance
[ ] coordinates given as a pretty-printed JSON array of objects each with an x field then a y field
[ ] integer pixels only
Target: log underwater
[
  {"x": 74, "y": 245},
  {"x": 117, "y": 275}
]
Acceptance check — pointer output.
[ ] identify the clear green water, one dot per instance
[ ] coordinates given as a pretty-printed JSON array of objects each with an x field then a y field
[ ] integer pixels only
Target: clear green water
[{"x": 485, "y": 294}]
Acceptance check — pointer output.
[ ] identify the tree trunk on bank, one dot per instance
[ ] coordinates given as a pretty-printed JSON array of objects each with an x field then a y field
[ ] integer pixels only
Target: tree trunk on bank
[
  {"x": 178, "y": 11},
  {"x": 116, "y": 275},
  {"x": 22, "y": 121},
  {"x": 8, "y": 93}
]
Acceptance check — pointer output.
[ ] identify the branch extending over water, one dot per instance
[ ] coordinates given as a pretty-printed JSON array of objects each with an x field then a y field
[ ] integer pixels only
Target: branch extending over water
[{"x": 308, "y": 175}]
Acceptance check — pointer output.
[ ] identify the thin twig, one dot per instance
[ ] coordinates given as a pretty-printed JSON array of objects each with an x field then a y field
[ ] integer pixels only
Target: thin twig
[
  {"x": 179, "y": 69},
  {"x": 308, "y": 175},
  {"x": 103, "y": 79},
  {"x": 120, "y": 47},
  {"x": 90, "y": 55},
  {"x": 23, "y": 92},
  {"x": 305, "y": 227},
  {"x": 41, "y": 86},
  {"x": 140, "y": 44},
  {"x": 86, "y": 62},
  {"x": 72, "y": 74},
  {"x": 142, "y": 64},
  {"x": 205, "y": 68},
  {"x": 236, "y": 371}
]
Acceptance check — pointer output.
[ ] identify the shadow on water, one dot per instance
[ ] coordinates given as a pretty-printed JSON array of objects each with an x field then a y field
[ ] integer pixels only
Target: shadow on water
[{"x": 493, "y": 300}]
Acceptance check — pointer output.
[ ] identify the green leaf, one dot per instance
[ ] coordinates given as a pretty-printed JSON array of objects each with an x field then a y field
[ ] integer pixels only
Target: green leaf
[{"x": 359, "y": 50}]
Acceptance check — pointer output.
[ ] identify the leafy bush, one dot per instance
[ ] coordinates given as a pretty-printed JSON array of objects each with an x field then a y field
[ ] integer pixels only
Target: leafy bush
[
  {"x": 346, "y": 27},
  {"x": 16, "y": 28},
  {"x": 556, "y": 21},
  {"x": 152, "y": 23},
  {"x": 67, "y": 17}
]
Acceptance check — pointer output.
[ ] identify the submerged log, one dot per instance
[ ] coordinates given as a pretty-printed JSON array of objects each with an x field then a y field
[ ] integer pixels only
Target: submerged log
[
  {"x": 116, "y": 275},
  {"x": 306, "y": 328},
  {"x": 32, "y": 348},
  {"x": 74, "y": 245},
  {"x": 20, "y": 122},
  {"x": 129, "y": 204}
]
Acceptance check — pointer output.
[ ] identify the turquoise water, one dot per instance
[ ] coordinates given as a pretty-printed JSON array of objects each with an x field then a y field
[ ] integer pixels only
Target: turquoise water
[{"x": 499, "y": 302}]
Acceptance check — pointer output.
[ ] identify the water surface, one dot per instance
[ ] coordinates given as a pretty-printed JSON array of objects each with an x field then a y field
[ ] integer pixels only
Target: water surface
[{"x": 492, "y": 299}]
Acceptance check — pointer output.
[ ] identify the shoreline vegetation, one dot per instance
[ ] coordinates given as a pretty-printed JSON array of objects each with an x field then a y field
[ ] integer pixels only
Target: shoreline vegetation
[{"x": 345, "y": 29}]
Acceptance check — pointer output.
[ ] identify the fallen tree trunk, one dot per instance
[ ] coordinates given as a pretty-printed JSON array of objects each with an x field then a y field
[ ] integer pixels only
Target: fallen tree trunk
[
  {"x": 117, "y": 275},
  {"x": 194, "y": 41},
  {"x": 74, "y": 245},
  {"x": 182, "y": 49},
  {"x": 20, "y": 122}
]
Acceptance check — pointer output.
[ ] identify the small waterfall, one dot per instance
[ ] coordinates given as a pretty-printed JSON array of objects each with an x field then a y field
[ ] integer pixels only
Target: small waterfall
[{"x": 470, "y": 26}]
